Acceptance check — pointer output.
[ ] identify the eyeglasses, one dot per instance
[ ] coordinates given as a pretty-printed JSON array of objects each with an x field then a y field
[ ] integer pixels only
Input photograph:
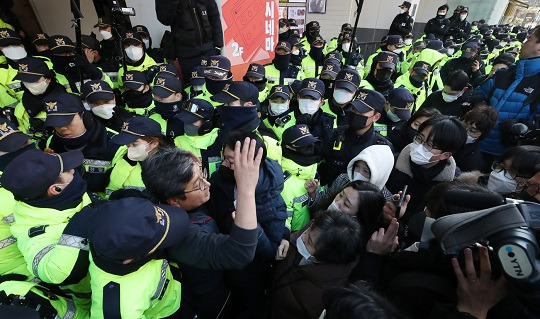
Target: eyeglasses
[
  {"x": 497, "y": 167},
  {"x": 531, "y": 189},
  {"x": 508, "y": 173},
  {"x": 202, "y": 181},
  {"x": 471, "y": 130},
  {"x": 419, "y": 140}
]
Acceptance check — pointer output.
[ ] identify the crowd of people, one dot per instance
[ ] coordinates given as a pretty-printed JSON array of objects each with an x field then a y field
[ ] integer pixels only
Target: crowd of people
[{"x": 170, "y": 190}]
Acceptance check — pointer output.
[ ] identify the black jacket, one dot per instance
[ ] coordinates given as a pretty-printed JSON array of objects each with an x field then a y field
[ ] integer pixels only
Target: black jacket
[
  {"x": 469, "y": 158},
  {"x": 402, "y": 24},
  {"x": 465, "y": 65},
  {"x": 195, "y": 26},
  {"x": 438, "y": 27},
  {"x": 457, "y": 108},
  {"x": 460, "y": 30}
]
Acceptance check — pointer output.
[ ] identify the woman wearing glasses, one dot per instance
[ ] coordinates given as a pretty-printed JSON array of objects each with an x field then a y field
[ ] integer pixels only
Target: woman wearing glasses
[
  {"x": 428, "y": 160},
  {"x": 143, "y": 138}
]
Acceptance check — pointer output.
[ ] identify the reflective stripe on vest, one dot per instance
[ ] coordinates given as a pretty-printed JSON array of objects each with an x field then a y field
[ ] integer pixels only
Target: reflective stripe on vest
[
  {"x": 15, "y": 86},
  {"x": 301, "y": 199},
  {"x": 7, "y": 242},
  {"x": 12, "y": 105},
  {"x": 74, "y": 241},
  {"x": 96, "y": 166},
  {"x": 70, "y": 310},
  {"x": 109, "y": 191},
  {"x": 161, "y": 283},
  {"x": 8, "y": 219},
  {"x": 38, "y": 257}
]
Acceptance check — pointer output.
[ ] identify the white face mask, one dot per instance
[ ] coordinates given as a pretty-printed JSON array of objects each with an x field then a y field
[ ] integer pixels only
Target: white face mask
[
  {"x": 307, "y": 106},
  {"x": 402, "y": 11},
  {"x": 278, "y": 108},
  {"x": 86, "y": 106},
  {"x": 146, "y": 43},
  {"x": 106, "y": 35},
  {"x": 334, "y": 206},
  {"x": 295, "y": 52},
  {"x": 398, "y": 51},
  {"x": 394, "y": 118},
  {"x": 36, "y": 88},
  {"x": 450, "y": 98},
  {"x": 474, "y": 28},
  {"x": 197, "y": 87},
  {"x": 346, "y": 47},
  {"x": 450, "y": 52},
  {"x": 441, "y": 13},
  {"x": 357, "y": 176},
  {"x": 503, "y": 43},
  {"x": 501, "y": 184},
  {"x": 137, "y": 153},
  {"x": 14, "y": 52},
  {"x": 463, "y": 17},
  {"x": 302, "y": 249},
  {"x": 283, "y": 30},
  {"x": 420, "y": 156},
  {"x": 105, "y": 111},
  {"x": 134, "y": 53},
  {"x": 470, "y": 139},
  {"x": 408, "y": 41},
  {"x": 343, "y": 96}
]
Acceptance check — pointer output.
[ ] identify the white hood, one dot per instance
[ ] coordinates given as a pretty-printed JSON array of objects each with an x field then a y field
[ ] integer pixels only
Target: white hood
[{"x": 379, "y": 159}]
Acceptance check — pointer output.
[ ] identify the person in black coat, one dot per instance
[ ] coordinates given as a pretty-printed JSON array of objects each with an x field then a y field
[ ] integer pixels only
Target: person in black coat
[
  {"x": 404, "y": 132},
  {"x": 478, "y": 122},
  {"x": 469, "y": 61},
  {"x": 460, "y": 28},
  {"x": 403, "y": 22},
  {"x": 439, "y": 25},
  {"x": 196, "y": 31},
  {"x": 454, "y": 98}
]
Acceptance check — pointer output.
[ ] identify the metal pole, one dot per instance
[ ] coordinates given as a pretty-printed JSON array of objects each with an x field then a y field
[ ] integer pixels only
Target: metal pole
[
  {"x": 77, "y": 16},
  {"x": 359, "y": 5}
]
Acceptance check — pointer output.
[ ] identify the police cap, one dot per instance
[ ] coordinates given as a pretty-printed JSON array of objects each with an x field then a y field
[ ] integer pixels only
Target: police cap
[
  {"x": 237, "y": 90},
  {"x": 348, "y": 79},
  {"x": 61, "y": 108},
  {"x": 368, "y": 100},
  {"x": 135, "y": 128},
  {"x": 298, "y": 136},
  {"x": 312, "y": 87},
  {"x": 166, "y": 84},
  {"x": 196, "y": 109},
  {"x": 402, "y": 100},
  {"x": 11, "y": 138},
  {"x": 97, "y": 90},
  {"x": 31, "y": 69}
]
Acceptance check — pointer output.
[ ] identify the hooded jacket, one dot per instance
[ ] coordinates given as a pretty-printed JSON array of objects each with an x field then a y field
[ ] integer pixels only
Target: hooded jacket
[{"x": 379, "y": 159}]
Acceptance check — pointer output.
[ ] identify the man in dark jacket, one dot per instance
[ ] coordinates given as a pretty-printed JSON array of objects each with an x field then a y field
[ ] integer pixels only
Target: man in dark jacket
[
  {"x": 403, "y": 22},
  {"x": 460, "y": 28},
  {"x": 469, "y": 62},
  {"x": 195, "y": 31},
  {"x": 439, "y": 25}
]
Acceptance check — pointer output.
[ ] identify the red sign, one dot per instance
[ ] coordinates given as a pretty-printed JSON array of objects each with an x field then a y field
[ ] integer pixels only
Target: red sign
[{"x": 250, "y": 32}]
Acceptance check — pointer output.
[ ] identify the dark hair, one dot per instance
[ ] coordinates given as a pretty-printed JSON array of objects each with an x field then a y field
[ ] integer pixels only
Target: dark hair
[
  {"x": 423, "y": 112},
  {"x": 447, "y": 198},
  {"x": 357, "y": 301},
  {"x": 443, "y": 7},
  {"x": 504, "y": 58},
  {"x": 457, "y": 80},
  {"x": 339, "y": 237},
  {"x": 239, "y": 136},
  {"x": 163, "y": 140},
  {"x": 526, "y": 160},
  {"x": 536, "y": 32},
  {"x": 483, "y": 117},
  {"x": 166, "y": 173},
  {"x": 447, "y": 133},
  {"x": 370, "y": 204}
]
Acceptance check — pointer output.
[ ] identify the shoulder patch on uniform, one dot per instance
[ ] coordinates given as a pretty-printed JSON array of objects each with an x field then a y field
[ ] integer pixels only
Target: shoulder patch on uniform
[
  {"x": 36, "y": 231},
  {"x": 286, "y": 175}
]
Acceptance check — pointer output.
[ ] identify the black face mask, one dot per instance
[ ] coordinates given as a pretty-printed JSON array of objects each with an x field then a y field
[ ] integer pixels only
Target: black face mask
[
  {"x": 356, "y": 122},
  {"x": 261, "y": 85},
  {"x": 167, "y": 110},
  {"x": 441, "y": 16},
  {"x": 383, "y": 75},
  {"x": 239, "y": 117},
  {"x": 137, "y": 99},
  {"x": 317, "y": 54},
  {"x": 214, "y": 87},
  {"x": 411, "y": 133},
  {"x": 77, "y": 142},
  {"x": 65, "y": 65},
  {"x": 303, "y": 156},
  {"x": 281, "y": 61},
  {"x": 70, "y": 196},
  {"x": 416, "y": 80},
  {"x": 226, "y": 174},
  {"x": 328, "y": 88}
]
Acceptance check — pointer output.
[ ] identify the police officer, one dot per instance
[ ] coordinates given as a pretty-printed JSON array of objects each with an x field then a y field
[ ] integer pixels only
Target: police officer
[
  {"x": 102, "y": 103},
  {"x": 196, "y": 82},
  {"x": 352, "y": 59},
  {"x": 109, "y": 47},
  {"x": 11, "y": 90},
  {"x": 154, "y": 53},
  {"x": 346, "y": 83},
  {"x": 122, "y": 258},
  {"x": 200, "y": 133},
  {"x": 69, "y": 65},
  {"x": 415, "y": 82},
  {"x": 38, "y": 81},
  {"x": 391, "y": 43},
  {"x": 167, "y": 94},
  {"x": 328, "y": 76},
  {"x": 142, "y": 137},
  {"x": 93, "y": 53},
  {"x": 217, "y": 73},
  {"x": 469, "y": 62},
  {"x": 346, "y": 143},
  {"x": 396, "y": 109},
  {"x": 333, "y": 44},
  {"x": 403, "y": 22},
  {"x": 439, "y": 25},
  {"x": 297, "y": 50},
  {"x": 313, "y": 63},
  {"x": 40, "y": 45},
  {"x": 136, "y": 57},
  {"x": 312, "y": 31},
  {"x": 301, "y": 155},
  {"x": 380, "y": 77},
  {"x": 281, "y": 71},
  {"x": 12, "y": 143},
  {"x": 310, "y": 101},
  {"x": 460, "y": 28},
  {"x": 137, "y": 94},
  {"x": 279, "y": 115},
  {"x": 239, "y": 111},
  {"x": 256, "y": 75},
  {"x": 284, "y": 29},
  {"x": 49, "y": 193},
  {"x": 76, "y": 128}
]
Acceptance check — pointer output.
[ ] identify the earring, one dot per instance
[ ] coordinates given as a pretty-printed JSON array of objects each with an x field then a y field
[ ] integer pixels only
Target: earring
[{"x": 58, "y": 189}]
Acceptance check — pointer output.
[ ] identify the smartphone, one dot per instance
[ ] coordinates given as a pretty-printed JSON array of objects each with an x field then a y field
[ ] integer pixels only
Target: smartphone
[{"x": 401, "y": 200}]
